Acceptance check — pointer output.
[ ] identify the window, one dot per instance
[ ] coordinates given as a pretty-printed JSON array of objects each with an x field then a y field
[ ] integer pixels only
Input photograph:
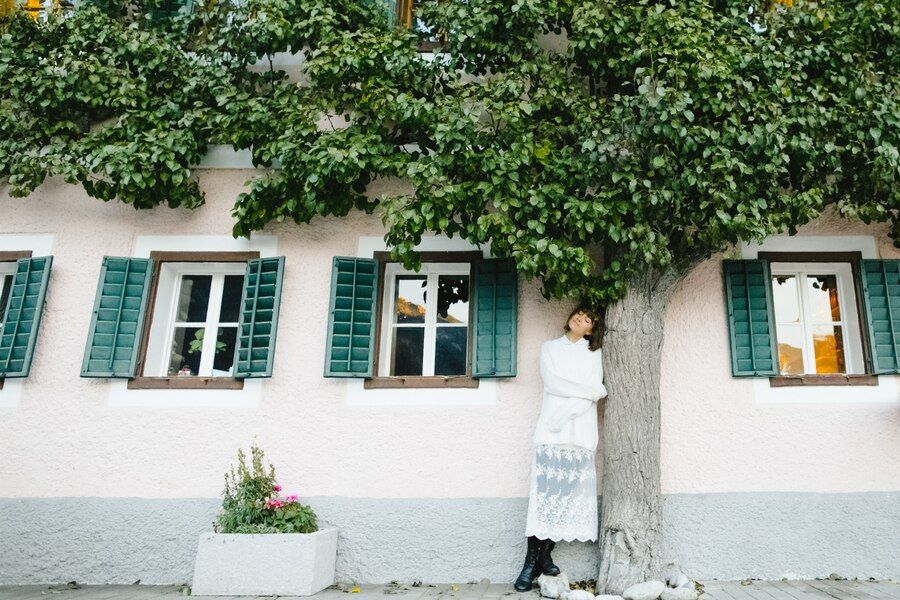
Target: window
[
  {"x": 196, "y": 319},
  {"x": 448, "y": 325},
  {"x": 816, "y": 319},
  {"x": 813, "y": 318},
  {"x": 7, "y": 270},
  {"x": 194, "y": 312},
  {"x": 425, "y": 320}
]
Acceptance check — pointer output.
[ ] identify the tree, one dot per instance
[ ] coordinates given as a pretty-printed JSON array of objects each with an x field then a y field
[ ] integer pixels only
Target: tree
[{"x": 651, "y": 135}]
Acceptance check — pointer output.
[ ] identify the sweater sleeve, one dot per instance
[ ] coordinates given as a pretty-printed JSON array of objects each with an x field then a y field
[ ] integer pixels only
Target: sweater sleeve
[
  {"x": 590, "y": 387},
  {"x": 574, "y": 407}
]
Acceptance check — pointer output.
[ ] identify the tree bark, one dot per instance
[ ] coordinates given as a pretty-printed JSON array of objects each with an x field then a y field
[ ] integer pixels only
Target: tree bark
[{"x": 630, "y": 518}]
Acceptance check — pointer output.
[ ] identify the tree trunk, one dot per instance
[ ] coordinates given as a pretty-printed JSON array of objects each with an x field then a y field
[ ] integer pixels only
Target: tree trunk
[{"x": 630, "y": 518}]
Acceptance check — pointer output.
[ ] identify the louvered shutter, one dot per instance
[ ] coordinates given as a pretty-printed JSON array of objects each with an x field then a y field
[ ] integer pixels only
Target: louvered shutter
[
  {"x": 118, "y": 318},
  {"x": 259, "y": 317},
  {"x": 751, "y": 319},
  {"x": 496, "y": 305},
  {"x": 23, "y": 315},
  {"x": 881, "y": 288},
  {"x": 350, "y": 344}
]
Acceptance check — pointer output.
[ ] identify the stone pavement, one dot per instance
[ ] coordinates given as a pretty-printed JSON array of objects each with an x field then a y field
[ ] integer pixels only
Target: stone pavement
[{"x": 712, "y": 590}]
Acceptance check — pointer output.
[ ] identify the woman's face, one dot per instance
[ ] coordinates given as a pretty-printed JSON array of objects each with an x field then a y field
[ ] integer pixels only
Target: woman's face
[{"x": 580, "y": 324}]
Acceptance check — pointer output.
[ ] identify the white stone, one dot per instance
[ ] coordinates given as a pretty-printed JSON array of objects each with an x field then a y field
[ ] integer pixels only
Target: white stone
[
  {"x": 580, "y": 595},
  {"x": 649, "y": 590},
  {"x": 554, "y": 586},
  {"x": 679, "y": 581},
  {"x": 679, "y": 593},
  {"x": 283, "y": 564},
  {"x": 608, "y": 597}
]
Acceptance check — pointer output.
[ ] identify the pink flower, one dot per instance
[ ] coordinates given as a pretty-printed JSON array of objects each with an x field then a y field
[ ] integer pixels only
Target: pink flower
[
  {"x": 276, "y": 487},
  {"x": 274, "y": 503},
  {"x": 291, "y": 498}
]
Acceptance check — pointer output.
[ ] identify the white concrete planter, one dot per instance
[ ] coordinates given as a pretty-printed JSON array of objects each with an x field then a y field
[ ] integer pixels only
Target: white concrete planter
[{"x": 286, "y": 564}]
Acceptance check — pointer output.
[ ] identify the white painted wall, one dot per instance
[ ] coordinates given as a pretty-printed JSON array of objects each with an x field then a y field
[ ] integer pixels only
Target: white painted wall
[{"x": 80, "y": 437}]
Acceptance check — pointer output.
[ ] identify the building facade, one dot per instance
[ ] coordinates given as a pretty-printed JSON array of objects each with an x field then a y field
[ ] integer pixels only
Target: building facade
[{"x": 111, "y": 465}]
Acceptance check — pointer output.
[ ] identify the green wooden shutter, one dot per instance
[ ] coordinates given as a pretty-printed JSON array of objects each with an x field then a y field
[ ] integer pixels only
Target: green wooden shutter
[
  {"x": 259, "y": 317},
  {"x": 118, "y": 319},
  {"x": 751, "y": 318},
  {"x": 881, "y": 288},
  {"x": 350, "y": 345},
  {"x": 23, "y": 315},
  {"x": 496, "y": 305}
]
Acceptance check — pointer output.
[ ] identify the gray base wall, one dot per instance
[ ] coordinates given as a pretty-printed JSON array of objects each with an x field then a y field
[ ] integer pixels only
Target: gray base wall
[{"x": 712, "y": 536}]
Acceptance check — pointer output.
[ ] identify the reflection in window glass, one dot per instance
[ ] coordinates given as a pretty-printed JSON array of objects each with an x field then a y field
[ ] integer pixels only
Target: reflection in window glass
[
  {"x": 828, "y": 345},
  {"x": 453, "y": 299},
  {"x": 409, "y": 299},
  {"x": 225, "y": 344},
  {"x": 823, "y": 298},
  {"x": 187, "y": 348},
  {"x": 790, "y": 348},
  {"x": 231, "y": 299},
  {"x": 193, "y": 298},
  {"x": 5, "y": 288},
  {"x": 450, "y": 351},
  {"x": 785, "y": 298},
  {"x": 408, "y": 350}
]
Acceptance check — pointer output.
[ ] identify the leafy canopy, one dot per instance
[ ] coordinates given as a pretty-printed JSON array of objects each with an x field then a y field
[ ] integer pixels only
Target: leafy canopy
[{"x": 656, "y": 131}]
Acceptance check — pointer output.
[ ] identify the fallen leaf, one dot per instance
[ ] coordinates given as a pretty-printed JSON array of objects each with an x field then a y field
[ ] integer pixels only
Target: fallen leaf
[{"x": 355, "y": 590}]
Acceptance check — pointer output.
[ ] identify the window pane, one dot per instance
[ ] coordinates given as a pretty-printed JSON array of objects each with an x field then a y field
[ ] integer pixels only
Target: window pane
[
  {"x": 5, "y": 287},
  {"x": 450, "y": 351},
  {"x": 408, "y": 349},
  {"x": 823, "y": 298},
  {"x": 828, "y": 343},
  {"x": 453, "y": 299},
  {"x": 193, "y": 298},
  {"x": 187, "y": 346},
  {"x": 784, "y": 295},
  {"x": 224, "y": 359},
  {"x": 409, "y": 302},
  {"x": 790, "y": 349},
  {"x": 231, "y": 299}
]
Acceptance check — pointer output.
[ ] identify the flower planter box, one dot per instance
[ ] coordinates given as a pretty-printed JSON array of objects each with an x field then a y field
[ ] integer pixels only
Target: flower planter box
[{"x": 286, "y": 564}]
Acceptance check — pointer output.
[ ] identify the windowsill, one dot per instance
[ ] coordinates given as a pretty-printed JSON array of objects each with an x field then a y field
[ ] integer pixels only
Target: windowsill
[
  {"x": 819, "y": 380},
  {"x": 185, "y": 383},
  {"x": 439, "y": 381}
]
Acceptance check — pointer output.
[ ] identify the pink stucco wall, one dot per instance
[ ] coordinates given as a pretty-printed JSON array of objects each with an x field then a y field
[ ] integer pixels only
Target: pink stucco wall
[{"x": 64, "y": 439}]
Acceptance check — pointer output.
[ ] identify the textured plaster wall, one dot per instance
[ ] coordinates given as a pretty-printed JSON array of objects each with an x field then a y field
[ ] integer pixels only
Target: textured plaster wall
[
  {"x": 100, "y": 492},
  {"x": 718, "y": 436},
  {"x": 121, "y": 540},
  {"x": 64, "y": 439}
]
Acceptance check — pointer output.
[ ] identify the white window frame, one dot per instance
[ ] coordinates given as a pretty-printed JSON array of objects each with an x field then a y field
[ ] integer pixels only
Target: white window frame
[
  {"x": 6, "y": 268},
  {"x": 847, "y": 302},
  {"x": 162, "y": 330},
  {"x": 431, "y": 270}
]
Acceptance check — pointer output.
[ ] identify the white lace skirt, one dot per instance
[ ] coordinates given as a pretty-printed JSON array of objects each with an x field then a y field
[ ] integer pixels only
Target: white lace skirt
[{"x": 562, "y": 505}]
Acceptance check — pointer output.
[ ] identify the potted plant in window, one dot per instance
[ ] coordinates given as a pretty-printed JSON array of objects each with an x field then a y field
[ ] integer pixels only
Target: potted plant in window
[{"x": 264, "y": 543}]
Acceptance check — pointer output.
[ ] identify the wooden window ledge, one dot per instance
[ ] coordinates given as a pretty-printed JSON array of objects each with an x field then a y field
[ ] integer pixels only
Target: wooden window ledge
[
  {"x": 421, "y": 381},
  {"x": 185, "y": 383},
  {"x": 812, "y": 380}
]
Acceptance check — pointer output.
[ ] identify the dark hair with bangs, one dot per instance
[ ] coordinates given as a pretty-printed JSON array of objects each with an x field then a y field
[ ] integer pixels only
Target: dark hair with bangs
[{"x": 595, "y": 337}]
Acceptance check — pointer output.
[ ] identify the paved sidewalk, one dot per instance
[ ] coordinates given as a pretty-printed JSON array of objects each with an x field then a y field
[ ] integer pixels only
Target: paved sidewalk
[{"x": 712, "y": 590}]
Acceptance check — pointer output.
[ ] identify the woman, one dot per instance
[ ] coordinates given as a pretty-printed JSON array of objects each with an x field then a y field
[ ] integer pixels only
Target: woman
[{"x": 562, "y": 504}]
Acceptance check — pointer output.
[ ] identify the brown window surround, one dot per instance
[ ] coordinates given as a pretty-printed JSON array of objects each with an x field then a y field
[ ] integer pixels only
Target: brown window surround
[
  {"x": 422, "y": 381},
  {"x": 837, "y": 379},
  {"x": 10, "y": 257},
  {"x": 181, "y": 383}
]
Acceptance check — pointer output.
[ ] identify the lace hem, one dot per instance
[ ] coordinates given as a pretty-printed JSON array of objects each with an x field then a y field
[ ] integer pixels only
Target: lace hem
[{"x": 562, "y": 505}]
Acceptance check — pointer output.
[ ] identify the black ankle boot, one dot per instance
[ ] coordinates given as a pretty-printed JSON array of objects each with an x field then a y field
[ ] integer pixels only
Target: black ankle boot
[
  {"x": 546, "y": 562},
  {"x": 532, "y": 568}
]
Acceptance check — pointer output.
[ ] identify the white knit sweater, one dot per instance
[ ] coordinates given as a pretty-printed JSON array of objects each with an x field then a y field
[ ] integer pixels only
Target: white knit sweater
[{"x": 573, "y": 383}]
